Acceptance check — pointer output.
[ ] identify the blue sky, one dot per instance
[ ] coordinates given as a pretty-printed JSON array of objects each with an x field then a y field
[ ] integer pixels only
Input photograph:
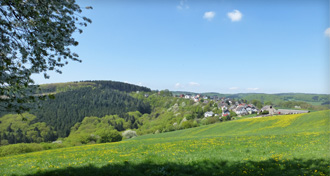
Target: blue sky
[{"x": 226, "y": 46}]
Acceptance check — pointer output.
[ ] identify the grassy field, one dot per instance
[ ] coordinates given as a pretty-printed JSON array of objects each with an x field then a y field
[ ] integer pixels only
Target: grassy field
[{"x": 281, "y": 145}]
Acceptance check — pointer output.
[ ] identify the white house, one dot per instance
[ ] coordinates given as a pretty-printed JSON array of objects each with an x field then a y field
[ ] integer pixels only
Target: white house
[
  {"x": 240, "y": 110},
  {"x": 208, "y": 114},
  {"x": 187, "y": 96},
  {"x": 249, "y": 109}
]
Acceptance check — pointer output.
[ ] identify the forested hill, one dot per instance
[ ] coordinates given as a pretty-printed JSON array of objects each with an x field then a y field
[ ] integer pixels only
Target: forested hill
[
  {"x": 76, "y": 100},
  {"x": 63, "y": 87}
]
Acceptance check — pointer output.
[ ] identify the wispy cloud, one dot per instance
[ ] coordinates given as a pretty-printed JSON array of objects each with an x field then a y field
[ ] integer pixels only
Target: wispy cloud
[
  {"x": 178, "y": 85},
  {"x": 194, "y": 84},
  {"x": 233, "y": 88},
  {"x": 235, "y": 15},
  {"x": 252, "y": 89},
  {"x": 183, "y": 5},
  {"x": 209, "y": 15},
  {"x": 327, "y": 32}
]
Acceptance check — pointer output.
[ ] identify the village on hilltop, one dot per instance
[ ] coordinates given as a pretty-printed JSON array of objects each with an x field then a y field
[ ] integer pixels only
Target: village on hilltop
[{"x": 239, "y": 107}]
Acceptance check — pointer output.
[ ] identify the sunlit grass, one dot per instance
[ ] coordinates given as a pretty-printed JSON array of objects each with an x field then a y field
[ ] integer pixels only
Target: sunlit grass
[{"x": 291, "y": 144}]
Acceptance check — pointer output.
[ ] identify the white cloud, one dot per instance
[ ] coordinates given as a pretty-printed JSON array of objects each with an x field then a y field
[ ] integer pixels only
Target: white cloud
[
  {"x": 233, "y": 88},
  {"x": 182, "y": 5},
  {"x": 252, "y": 89},
  {"x": 209, "y": 15},
  {"x": 178, "y": 85},
  {"x": 140, "y": 84},
  {"x": 235, "y": 15},
  {"x": 327, "y": 32},
  {"x": 194, "y": 84}
]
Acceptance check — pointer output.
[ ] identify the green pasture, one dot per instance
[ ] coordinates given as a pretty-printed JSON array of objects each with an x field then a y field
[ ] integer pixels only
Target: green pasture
[{"x": 279, "y": 145}]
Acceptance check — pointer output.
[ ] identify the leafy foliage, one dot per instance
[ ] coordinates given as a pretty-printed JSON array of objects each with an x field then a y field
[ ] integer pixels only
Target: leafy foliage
[
  {"x": 15, "y": 130},
  {"x": 96, "y": 130},
  {"x": 129, "y": 134},
  {"x": 36, "y": 37}
]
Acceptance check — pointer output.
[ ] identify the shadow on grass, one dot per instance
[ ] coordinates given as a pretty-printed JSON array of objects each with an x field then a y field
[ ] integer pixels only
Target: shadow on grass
[{"x": 207, "y": 167}]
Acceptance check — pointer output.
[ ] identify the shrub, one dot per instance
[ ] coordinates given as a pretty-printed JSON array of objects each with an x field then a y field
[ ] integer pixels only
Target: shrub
[
  {"x": 129, "y": 134},
  {"x": 188, "y": 124},
  {"x": 169, "y": 127},
  {"x": 108, "y": 135},
  {"x": 233, "y": 114},
  {"x": 86, "y": 138},
  {"x": 212, "y": 120},
  {"x": 189, "y": 116}
]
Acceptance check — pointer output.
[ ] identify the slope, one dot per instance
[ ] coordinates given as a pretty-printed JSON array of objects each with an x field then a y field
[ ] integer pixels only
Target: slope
[
  {"x": 281, "y": 145},
  {"x": 76, "y": 100}
]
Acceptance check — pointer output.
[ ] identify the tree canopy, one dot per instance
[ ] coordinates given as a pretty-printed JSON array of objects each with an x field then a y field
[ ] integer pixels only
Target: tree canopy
[{"x": 35, "y": 37}]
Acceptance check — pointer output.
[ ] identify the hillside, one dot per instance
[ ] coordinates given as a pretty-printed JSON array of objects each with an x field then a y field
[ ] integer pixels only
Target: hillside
[
  {"x": 159, "y": 111},
  {"x": 72, "y": 103},
  {"x": 280, "y": 145},
  {"x": 76, "y": 100},
  {"x": 73, "y": 106},
  {"x": 114, "y": 85}
]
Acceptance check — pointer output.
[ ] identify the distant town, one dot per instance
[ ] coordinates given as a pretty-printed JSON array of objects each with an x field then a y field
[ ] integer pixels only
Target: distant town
[{"x": 239, "y": 107}]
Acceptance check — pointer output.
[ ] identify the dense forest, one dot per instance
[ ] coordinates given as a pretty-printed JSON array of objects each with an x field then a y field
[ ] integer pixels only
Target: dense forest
[
  {"x": 76, "y": 100},
  {"x": 71, "y": 107}
]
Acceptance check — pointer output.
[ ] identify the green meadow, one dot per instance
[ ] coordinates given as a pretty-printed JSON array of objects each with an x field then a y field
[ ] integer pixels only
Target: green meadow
[{"x": 279, "y": 145}]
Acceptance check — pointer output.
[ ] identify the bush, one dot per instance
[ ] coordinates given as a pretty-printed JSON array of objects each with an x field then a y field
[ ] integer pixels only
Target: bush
[
  {"x": 169, "y": 127},
  {"x": 86, "y": 138},
  {"x": 204, "y": 121},
  {"x": 129, "y": 134},
  {"x": 188, "y": 124},
  {"x": 108, "y": 135},
  {"x": 233, "y": 114},
  {"x": 212, "y": 120},
  {"x": 189, "y": 116}
]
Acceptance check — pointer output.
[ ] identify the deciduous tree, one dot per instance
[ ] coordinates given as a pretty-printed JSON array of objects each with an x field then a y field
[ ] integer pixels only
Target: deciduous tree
[{"x": 35, "y": 37}]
